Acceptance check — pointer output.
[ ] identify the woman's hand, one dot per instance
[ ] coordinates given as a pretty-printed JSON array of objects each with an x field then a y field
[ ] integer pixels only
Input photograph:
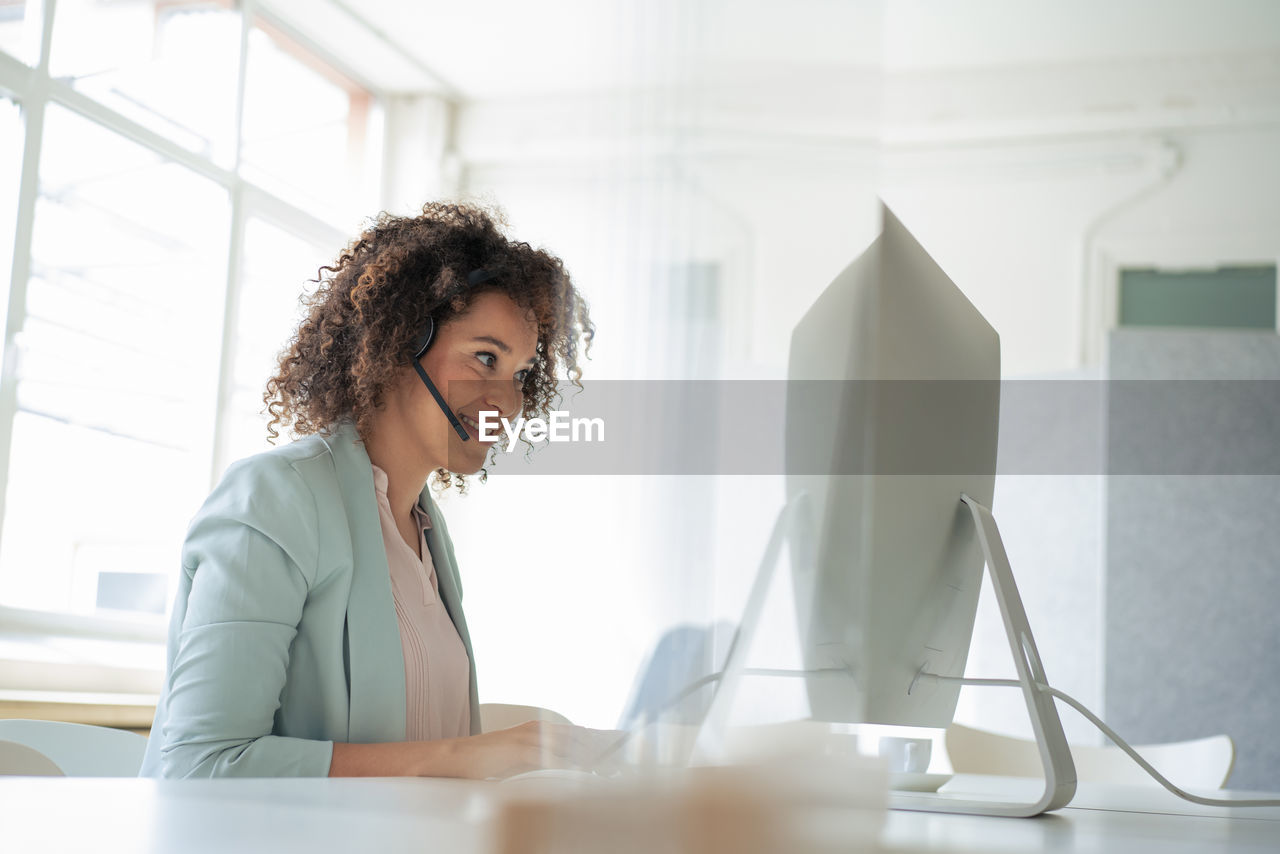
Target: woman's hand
[
  {"x": 532, "y": 745},
  {"x": 500, "y": 753}
]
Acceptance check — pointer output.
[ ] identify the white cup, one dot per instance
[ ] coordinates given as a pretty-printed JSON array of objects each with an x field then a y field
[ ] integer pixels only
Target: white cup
[{"x": 906, "y": 755}]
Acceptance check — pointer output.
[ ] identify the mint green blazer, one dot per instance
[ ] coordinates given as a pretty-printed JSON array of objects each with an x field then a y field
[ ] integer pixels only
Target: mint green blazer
[{"x": 284, "y": 636}]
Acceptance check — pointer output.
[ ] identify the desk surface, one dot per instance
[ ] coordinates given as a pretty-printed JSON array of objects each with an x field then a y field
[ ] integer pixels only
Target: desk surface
[
  {"x": 1101, "y": 818},
  {"x": 318, "y": 815}
]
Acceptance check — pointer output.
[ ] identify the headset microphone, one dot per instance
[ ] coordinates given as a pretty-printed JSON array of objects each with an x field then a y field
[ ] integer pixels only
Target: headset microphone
[{"x": 424, "y": 342}]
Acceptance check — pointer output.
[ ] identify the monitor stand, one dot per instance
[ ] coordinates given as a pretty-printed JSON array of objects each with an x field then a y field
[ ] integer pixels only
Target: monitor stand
[{"x": 1055, "y": 755}]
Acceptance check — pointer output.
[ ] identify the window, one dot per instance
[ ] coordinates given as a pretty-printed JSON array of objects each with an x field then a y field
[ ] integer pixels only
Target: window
[
  {"x": 1228, "y": 297},
  {"x": 158, "y": 261},
  {"x": 116, "y": 369},
  {"x": 18, "y": 35},
  {"x": 306, "y": 128},
  {"x": 10, "y": 175},
  {"x": 276, "y": 269},
  {"x": 170, "y": 66}
]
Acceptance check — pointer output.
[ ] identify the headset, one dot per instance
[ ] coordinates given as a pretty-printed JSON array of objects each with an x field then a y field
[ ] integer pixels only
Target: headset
[
  {"x": 475, "y": 277},
  {"x": 423, "y": 344}
]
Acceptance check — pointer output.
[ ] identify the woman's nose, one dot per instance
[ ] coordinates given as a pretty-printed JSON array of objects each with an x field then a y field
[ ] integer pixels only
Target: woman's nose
[{"x": 504, "y": 397}]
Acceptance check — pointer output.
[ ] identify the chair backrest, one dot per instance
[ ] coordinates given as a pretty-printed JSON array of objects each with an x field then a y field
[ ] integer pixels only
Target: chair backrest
[
  {"x": 1203, "y": 763},
  {"x": 80, "y": 750},
  {"x": 18, "y": 760},
  {"x": 494, "y": 716}
]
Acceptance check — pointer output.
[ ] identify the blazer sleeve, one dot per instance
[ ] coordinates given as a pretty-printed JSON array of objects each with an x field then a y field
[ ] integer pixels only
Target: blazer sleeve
[{"x": 249, "y": 559}]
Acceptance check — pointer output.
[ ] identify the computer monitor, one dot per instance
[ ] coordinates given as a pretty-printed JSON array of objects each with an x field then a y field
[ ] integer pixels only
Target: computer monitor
[
  {"x": 892, "y": 417},
  {"x": 893, "y": 402}
]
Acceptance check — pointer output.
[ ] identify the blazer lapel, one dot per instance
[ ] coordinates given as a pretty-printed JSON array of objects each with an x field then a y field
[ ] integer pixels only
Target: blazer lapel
[{"x": 377, "y": 699}]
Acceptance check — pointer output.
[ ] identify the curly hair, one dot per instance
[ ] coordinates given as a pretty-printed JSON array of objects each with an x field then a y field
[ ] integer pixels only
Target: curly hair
[{"x": 375, "y": 300}]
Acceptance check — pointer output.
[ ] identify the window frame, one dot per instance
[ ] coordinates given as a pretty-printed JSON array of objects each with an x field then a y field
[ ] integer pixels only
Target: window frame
[
  {"x": 1171, "y": 251},
  {"x": 32, "y": 88}
]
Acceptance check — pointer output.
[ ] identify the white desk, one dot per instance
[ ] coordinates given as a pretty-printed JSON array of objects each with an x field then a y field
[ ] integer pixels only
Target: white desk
[
  {"x": 1101, "y": 818},
  {"x": 318, "y": 815}
]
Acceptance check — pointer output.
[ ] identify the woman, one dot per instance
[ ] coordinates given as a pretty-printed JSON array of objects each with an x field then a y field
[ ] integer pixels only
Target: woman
[{"x": 318, "y": 627}]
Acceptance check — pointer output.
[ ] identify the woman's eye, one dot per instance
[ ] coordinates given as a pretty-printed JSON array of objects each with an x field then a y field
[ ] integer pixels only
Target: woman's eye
[
  {"x": 521, "y": 376},
  {"x": 487, "y": 359}
]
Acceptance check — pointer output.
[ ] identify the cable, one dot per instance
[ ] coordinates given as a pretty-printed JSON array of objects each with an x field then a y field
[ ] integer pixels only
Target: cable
[
  {"x": 995, "y": 683},
  {"x": 1111, "y": 734}
]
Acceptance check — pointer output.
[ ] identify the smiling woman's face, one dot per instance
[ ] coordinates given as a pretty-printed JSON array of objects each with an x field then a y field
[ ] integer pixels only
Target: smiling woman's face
[{"x": 478, "y": 361}]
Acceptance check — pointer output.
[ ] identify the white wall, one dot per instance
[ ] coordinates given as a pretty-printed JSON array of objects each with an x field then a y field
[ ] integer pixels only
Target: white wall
[
  {"x": 939, "y": 34},
  {"x": 1036, "y": 243}
]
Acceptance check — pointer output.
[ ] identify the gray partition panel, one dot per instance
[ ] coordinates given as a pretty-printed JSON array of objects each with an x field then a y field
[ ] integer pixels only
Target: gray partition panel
[{"x": 1192, "y": 629}]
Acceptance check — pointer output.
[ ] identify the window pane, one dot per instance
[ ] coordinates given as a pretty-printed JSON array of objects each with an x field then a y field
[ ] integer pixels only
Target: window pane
[
  {"x": 273, "y": 278},
  {"x": 11, "y": 142},
  {"x": 1229, "y": 297},
  {"x": 305, "y": 130},
  {"x": 168, "y": 64},
  {"x": 117, "y": 371},
  {"x": 82, "y": 503},
  {"x": 19, "y": 36}
]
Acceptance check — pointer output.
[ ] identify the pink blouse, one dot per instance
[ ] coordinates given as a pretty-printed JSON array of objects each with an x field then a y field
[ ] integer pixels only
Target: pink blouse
[{"x": 437, "y": 672}]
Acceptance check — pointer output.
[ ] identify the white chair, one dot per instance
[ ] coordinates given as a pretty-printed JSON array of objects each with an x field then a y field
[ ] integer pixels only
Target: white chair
[
  {"x": 1204, "y": 763},
  {"x": 495, "y": 716},
  {"x": 80, "y": 750},
  {"x": 18, "y": 760}
]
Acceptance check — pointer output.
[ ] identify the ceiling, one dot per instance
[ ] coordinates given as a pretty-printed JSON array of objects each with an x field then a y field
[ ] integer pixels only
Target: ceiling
[{"x": 510, "y": 48}]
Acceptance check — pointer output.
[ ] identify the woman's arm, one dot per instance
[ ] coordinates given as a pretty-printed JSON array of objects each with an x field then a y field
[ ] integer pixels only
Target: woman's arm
[
  {"x": 494, "y": 754},
  {"x": 248, "y": 563}
]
